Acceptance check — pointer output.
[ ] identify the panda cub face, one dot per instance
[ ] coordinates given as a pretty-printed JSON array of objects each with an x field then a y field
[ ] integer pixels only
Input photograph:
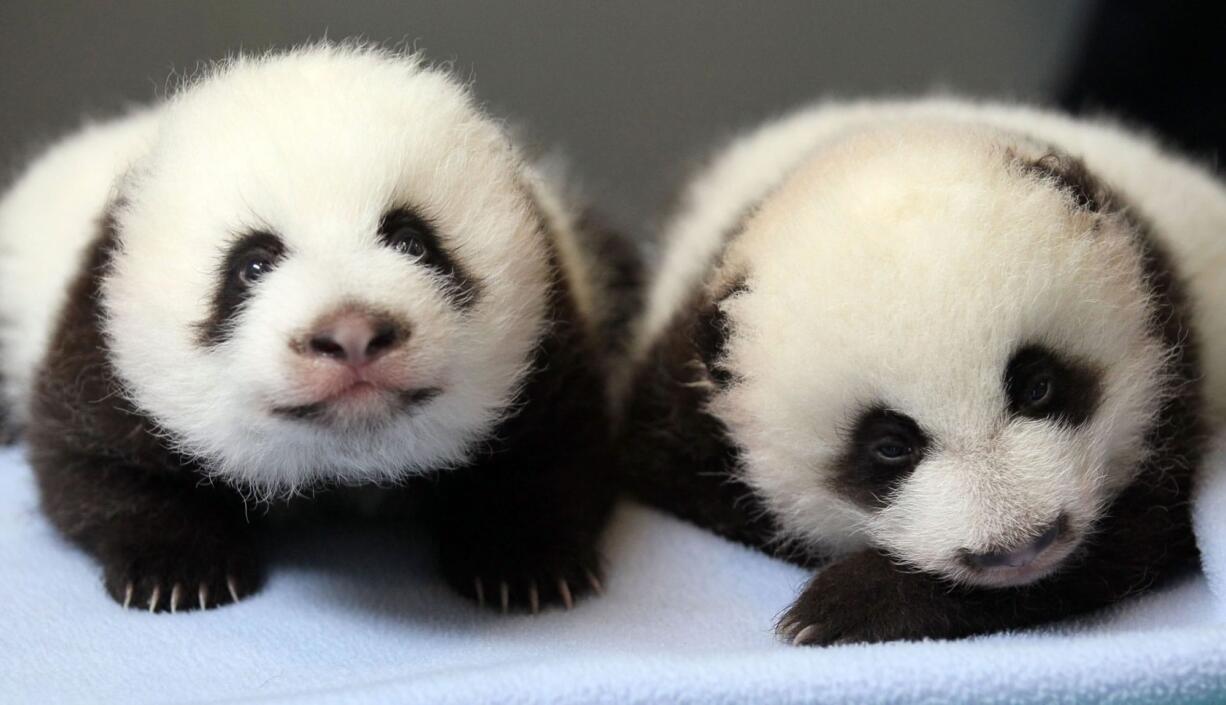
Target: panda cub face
[
  {"x": 328, "y": 267},
  {"x": 940, "y": 343}
]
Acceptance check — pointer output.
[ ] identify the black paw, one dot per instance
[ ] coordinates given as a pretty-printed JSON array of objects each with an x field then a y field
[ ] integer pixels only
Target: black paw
[
  {"x": 171, "y": 578},
  {"x": 524, "y": 578},
  {"x": 864, "y": 598}
]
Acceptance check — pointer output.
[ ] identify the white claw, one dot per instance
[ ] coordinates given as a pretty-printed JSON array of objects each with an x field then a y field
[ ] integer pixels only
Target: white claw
[
  {"x": 153, "y": 598},
  {"x": 480, "y": 592},
  {"x": 700, "y": 384},
  {"x": 595, "y": 583},
  {"x": 534, "y": 598},
  {"x": 203, "y": 594},
  {"x": 176, "y": 593},
  {"x": 127, "y": 595},
  {"x": 233, "y": 586},
  {"x": 802, "y": 637},
  {"x": 504, "y": 594},
  {"x": 564, "y": 590}
]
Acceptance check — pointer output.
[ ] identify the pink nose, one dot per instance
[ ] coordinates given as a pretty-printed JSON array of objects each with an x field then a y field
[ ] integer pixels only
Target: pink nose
[
  {"x": 354, "y": 338},
  {"x": 1018, "y": 556}
]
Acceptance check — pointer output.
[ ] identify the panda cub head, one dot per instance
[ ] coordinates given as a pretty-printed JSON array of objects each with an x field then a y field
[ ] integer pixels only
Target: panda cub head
[
  {"x": 329, "y": 266},
  {"x": 945, "y": 342}
]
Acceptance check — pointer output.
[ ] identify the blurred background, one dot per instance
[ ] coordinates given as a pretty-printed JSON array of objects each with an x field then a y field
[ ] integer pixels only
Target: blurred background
[{"x": 636, "y": 93}]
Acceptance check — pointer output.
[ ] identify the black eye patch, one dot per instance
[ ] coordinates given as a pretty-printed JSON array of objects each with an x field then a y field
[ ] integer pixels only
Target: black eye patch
[
  {"x": 884, "y": 447},
  {"x": 411, "y": 235},
  {"x": 1039, "y": 384},
  {"x": 248, "y": 260}
]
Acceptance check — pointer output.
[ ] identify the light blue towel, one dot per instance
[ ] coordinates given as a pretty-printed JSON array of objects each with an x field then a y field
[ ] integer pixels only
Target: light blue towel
[{"x": 356, "y": 616}]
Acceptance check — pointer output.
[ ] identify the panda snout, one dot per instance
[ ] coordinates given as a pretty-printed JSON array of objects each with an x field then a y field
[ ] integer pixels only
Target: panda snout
[
  {"x": 1021, "y": 556},
  {"x": 353, "y": 337}
]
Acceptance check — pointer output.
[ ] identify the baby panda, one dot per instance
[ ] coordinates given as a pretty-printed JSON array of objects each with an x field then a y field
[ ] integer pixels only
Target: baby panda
[
  {"x": 963, "y": 355},
  {"x": 321, "y": 268}
]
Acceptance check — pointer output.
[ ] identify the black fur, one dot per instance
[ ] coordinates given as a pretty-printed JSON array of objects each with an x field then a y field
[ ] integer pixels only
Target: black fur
[
  {"x": 8, "y": 428},
  {"x": 677, "y": 456},
  {"x": 619, "y": 262},
  {"x": 1072, "y": 387},
  {"x": 110, "y": 485},
  {"x": 710, "y": 334},
  {"x": 680, "y": 458},
  {"x": 528, "y": 511},
  {"x": 866, "y": 477}
]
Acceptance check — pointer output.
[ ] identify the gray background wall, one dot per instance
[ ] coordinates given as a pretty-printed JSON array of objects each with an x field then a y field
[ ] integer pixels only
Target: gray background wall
[{"x": 632, "y": 92}]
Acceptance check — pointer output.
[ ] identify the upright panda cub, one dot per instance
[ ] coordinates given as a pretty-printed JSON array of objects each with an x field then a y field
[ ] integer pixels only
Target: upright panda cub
[
  {"x": 325, "y": 267},
  {"x": 965, "y": 353}
]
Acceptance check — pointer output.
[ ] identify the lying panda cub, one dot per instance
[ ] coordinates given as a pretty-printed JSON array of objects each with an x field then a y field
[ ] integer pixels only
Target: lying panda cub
[
  {"x": 326, "y": 267},
  {"x": 959, "y": 351}
]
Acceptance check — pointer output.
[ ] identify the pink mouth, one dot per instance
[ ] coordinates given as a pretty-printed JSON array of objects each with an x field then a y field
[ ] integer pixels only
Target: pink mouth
[{"x": 360, "y": 398}]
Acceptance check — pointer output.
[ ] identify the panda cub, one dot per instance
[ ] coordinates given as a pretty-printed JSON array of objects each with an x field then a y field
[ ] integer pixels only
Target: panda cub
[
  {"x": 965, "y": 355},
  {"x": 321, "y": 268}
]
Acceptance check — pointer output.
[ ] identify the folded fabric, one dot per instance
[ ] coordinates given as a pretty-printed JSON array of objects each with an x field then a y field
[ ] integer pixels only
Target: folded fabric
[{"x": 357, "y": 614}]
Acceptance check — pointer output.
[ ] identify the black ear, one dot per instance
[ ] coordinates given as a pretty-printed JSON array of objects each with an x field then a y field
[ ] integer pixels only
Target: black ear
[
  {"x": 1070, "y": 175},
  {"x": 710, "y": 332}
]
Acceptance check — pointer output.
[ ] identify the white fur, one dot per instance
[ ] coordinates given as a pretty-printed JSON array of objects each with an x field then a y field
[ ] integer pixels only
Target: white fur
[
  {"x": 316, "y": 145},
  {"x": 894, "y": 257},
  {"x": 46, "y": 219}
]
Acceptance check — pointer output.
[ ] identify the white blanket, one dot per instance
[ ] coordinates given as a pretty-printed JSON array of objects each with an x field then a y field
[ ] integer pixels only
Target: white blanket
[{"x": 356, "y": 616}]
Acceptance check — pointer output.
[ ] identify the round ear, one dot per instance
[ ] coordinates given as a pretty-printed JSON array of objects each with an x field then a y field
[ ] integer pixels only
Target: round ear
[
  {"x": 1065, "y": 173},
  {"x": 711, "y": 328}
]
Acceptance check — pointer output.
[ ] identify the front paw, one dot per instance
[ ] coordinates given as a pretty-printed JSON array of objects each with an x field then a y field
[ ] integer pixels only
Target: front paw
[
  {"x": 174, "y": 578},
  {"x": 864, "y": 598},
  {"x": 520, "y": 575}
]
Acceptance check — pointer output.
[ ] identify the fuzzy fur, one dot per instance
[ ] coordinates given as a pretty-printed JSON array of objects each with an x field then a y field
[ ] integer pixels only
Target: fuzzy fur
[
  {"x": 314, "y": 148},
  {"x": 896, "y": 255},
  {"x": 43, "y": 236},
  {"x": 335, "y": 184}
]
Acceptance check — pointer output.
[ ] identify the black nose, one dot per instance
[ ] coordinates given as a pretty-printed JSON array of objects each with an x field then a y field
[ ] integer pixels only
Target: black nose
[
  {"x": 354, "y": 337},
  {"x": 1018, "y": 556}
]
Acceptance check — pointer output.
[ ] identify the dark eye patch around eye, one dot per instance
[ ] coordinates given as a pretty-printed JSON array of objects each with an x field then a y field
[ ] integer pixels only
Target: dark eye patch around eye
[
  {"x": 412, "y": 235},
  {"x": 883, "y": 448},
  {"x": 248, "y": 260},
  {"x": 1040, "y": 384}
]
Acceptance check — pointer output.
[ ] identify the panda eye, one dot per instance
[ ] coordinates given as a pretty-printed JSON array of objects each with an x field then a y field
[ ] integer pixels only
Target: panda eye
[
  {"x": 252, "y": 258},
  {"x": 1030, "y": 383},
  {"x": 248, "y": 258},
  {"x": 1039, "y": 392},
  {"x": 409, "y": 235},
  {"x": 408, "y": 242},
  {"x": 255, "y": 266},
  {"x": 884, "y": 448},
  {"x": 1039, "y": 384},
  {"x": 892, "y": 450},
  {"x": 412, "y": 236}
]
